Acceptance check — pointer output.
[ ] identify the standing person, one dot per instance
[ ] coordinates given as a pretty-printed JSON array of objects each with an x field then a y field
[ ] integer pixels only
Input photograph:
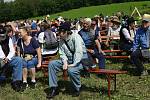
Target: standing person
[
  {"x": 31, "y": 53},
  {"x": 90, "y": 38},
  {"x": 72, "y": 50},
  {"x": 141, "y": 45},
  {"x": 8, "y": 60}
]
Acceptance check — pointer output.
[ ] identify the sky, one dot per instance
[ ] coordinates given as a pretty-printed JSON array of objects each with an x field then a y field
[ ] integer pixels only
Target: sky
[{"x": 8, "y": 0}]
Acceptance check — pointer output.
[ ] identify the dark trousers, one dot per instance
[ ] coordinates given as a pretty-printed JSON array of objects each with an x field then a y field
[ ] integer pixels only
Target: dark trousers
[
  {"x": 136, "y": 57},
  {"x": 100, "y": 57}
]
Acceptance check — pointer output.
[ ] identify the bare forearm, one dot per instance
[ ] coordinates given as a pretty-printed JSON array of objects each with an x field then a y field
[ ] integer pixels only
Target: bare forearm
[{"x": 39, "y": 55}]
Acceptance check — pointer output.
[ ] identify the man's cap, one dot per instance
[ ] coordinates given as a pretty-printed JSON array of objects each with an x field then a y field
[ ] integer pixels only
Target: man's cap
[
  {"x": 66, "y": 26},
  {"x": 146, "y": 17},
  {"x": 130, "y": 20}
]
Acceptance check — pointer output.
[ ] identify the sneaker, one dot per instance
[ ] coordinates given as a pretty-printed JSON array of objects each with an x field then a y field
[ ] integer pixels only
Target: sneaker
[
  {"x": 2, "y": 80},
  {"x": 33, "y": 85},
  {"x": 24, "y": 85},
  {"x": 76, "y": 94},
  {"x": 144, "y": 73}
]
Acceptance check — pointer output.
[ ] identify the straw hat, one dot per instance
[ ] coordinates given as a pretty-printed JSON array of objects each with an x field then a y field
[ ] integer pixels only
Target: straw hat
[
  {"x": 146, "y": 17},
  {"x": 115, "y": 19}
]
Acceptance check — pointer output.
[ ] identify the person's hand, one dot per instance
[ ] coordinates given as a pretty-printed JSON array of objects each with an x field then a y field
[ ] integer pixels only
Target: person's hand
[
  {"x": 65, "y": 65},
  {"x": 71, "y": 65},
  {"x": 107, "y": 44},
  {"x": 91, "y": 51},
  {"x": 5, "y": 60},
  {"x": 38, "y": 65},
  {"x": 102, "y": 52}
]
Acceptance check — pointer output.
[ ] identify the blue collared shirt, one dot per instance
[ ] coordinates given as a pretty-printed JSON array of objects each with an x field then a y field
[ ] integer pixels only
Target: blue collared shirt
[
  {"x": 140, "y": 39},
  {"x": 88, "y": 37}
]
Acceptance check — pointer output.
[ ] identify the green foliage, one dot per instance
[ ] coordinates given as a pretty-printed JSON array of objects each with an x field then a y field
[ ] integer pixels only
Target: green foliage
[
  {"x": 23, "y": 9},
  {"x": 110, "y": 9},
  {"x": 129, "y": 87}
]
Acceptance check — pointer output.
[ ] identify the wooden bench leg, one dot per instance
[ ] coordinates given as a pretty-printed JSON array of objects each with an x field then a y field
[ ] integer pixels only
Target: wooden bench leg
[
  {"x": 109, "y": 77},
  {"x": 109, "y": 83},
  {"x": 115, "y": 82}
]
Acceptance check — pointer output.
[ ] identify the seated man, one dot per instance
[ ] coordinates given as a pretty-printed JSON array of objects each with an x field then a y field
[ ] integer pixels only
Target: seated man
[
  {"x": 141, "y": 45},
  {"x": 72, "y": 50},
  {"x": 8, "y": 59},
  {"x": 90, "y": 38}
]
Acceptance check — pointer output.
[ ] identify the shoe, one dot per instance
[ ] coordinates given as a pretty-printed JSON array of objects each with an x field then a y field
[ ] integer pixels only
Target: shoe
[
  {"x": 76, "y": 94},
  {"x": 17, "y": 86},
  {"x": 33, "y": 85},
  {"x": 85, "y": 74},
  {"x": 24, "y": 85},
  {"x": 144, "y": 73},
  {"x": 53, "y": 92},
  {"x": 2, "y": 78}
]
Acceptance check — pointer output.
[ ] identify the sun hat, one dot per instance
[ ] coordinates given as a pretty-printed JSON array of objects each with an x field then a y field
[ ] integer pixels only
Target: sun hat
[
  {"x": 115, "y": 19},
  {"x": 146, "y": 17}
]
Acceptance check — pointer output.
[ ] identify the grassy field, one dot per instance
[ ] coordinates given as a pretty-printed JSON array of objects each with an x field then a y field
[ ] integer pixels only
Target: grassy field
[
  {"x": 129, "y": 87},
  {"x": 127, "y": 8}
]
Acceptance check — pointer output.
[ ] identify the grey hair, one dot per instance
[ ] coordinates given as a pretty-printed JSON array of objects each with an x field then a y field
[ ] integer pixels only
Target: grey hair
[{"x": 87, "y": 20}]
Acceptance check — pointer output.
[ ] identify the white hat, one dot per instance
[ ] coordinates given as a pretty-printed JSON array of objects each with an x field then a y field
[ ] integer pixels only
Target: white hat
[
  {"x": 146, "y": 17},
  {"x": 48, "y": 16},
  {"x": 60, "y": 19},
  {"x": 96, "y": 16}
]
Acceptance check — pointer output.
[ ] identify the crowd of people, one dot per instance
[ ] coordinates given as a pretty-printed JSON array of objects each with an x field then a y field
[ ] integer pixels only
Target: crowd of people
[{"x": 78, "y": 41}]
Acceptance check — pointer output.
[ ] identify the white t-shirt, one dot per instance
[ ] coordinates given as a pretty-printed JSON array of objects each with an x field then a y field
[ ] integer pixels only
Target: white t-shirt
[
  {"x": 114, "y": 32},
  {"x": 11, "y": 52}
]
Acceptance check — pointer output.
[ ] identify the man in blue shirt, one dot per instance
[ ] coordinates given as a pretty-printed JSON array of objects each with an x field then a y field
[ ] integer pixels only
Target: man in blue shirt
[
  {"x": 90, "y": 38},
  {"x": 141, "y": 42}
]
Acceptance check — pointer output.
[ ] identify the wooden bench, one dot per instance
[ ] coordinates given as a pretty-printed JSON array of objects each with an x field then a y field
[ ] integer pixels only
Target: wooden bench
[
  {"x": 115, "y": 56},
  {"x": 110, "y": 75}
]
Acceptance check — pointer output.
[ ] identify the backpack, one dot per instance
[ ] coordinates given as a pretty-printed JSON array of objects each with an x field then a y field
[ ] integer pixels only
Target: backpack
[{"x": 50, "y": 40}]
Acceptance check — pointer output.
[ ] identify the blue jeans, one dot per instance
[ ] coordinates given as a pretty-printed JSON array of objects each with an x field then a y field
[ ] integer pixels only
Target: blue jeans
[
  {"x": 16, "y": 64},
  {"x": 100, "y": 57},
  {"x": 73, "y": 72},
  {"x": 30, "y": 63}
]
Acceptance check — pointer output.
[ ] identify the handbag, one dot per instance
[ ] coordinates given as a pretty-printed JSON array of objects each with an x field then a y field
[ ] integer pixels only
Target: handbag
[{"x": 28, "y": 57}]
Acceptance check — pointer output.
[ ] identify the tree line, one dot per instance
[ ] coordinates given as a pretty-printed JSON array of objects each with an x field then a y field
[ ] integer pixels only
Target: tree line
[{"x": 23, "y": 9}]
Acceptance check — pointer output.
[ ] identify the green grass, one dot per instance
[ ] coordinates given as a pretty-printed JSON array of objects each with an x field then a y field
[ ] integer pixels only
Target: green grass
[
  {"x": 127, "y": 8},
  {"x": 129, "y": 87}
]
